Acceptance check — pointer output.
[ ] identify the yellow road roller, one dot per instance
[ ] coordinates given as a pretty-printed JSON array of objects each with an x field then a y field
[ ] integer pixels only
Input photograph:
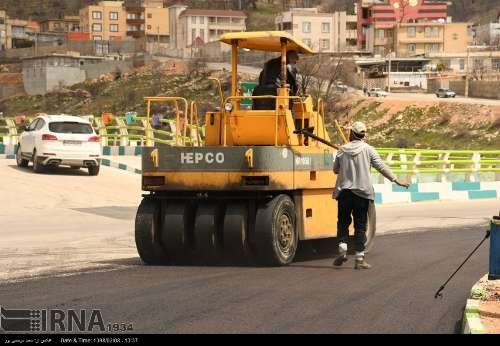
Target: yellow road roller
[{"x": 259, "y": 183}]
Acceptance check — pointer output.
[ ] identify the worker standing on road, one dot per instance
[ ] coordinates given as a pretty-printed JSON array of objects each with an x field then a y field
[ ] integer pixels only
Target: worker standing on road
[{"x": 354, "y": 191}]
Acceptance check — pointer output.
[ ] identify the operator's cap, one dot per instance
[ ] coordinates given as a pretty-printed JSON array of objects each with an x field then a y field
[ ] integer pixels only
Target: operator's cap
[{"x": 358, "y": 127}]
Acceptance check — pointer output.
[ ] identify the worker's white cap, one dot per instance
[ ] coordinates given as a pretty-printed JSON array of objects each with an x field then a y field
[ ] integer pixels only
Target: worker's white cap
[{"x": 358, "y": 127}]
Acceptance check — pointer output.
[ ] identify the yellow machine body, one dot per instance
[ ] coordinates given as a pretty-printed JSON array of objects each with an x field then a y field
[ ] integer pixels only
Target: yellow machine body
[{"x": 249, "y": 158}]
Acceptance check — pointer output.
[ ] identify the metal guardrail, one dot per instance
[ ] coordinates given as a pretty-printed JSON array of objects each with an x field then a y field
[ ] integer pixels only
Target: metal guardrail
[
  {"x": 410, "y": 162},
  {"x": 413, "y": 162}
]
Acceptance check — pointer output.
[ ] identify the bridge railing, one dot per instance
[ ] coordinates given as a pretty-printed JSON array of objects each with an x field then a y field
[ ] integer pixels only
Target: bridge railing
[
  {"x": 411, "y": 162},
  {"x": 443, "y": 163}
]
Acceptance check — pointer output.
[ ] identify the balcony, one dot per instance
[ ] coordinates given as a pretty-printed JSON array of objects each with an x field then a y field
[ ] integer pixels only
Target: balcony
[
  {"x": 351, "y": 34},
  {"x": 383, "y": 41},
  {"x": 136, "y": 21},
  {"x": 226, "y": 26},
  {"x": 421, "y": 39}
]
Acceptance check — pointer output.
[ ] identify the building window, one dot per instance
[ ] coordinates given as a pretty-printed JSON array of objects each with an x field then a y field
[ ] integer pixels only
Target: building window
[
  {"x": 202, "y": 34},
  {"x": 412, "y": 48},
  {"x": 495, "y": 64},
  {"x": 96, "y": 27},
  {"x": 149, "y": 27},
  {"x": 113, "y": 27},
  {"x": 2, "y": 20},
  {"x": 325, "y": 44},
  {"x": 97, "y": 38},
  {"x": 461, "y": 63},
  {"x": 431, "y": 31},
  {"x": 150, "y": 15},
  {"x": 96, "y": 15},
  {"x": 325, "y": 28},
  {"x": 411, "y": 31},
  {"x": 307, "y": 41},
  {"x": 202, "y": 20},
  {"x": 193, "y": 20},
  {"x": 193, "y": 34},
  {"x": 113, "y": 15},
  {"x": 236, "y": 20},
  {"x": 380, "y": 34},
  {"x": 431, "y": 48},
  {"x": 306, "y": 27}
]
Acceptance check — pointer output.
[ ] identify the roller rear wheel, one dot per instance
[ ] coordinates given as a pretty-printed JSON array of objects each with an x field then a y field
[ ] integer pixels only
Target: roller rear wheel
[
  {"x": 276, "y": 233},
  {"x": 207, "y": 232},
  {"x": 235, "y": 232},
  {"x": 147, "y": 227}
]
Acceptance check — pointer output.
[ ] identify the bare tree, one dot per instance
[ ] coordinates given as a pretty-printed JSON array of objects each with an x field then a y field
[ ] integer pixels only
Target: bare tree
[{"x": 403, "y": 10}]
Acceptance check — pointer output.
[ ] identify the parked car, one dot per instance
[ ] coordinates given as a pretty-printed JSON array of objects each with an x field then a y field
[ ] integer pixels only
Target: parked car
[
  {"x": 59, "y": 140},
  {"x": 444, "y": 92},
  {"x": 377, "y": 92},
  {"x": 341, "y": 87}
]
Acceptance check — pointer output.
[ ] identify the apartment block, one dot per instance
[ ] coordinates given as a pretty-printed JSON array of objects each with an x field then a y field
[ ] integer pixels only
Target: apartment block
[
  {"x": 104, "y": 21},
  {"x": 65, "y": 24},
  {"x": 322, "y": 32},
  {"x": 192, "y": 28},
  {"x": 488, "y": 34},
  {"x": 378, "y": 18},
  {"x": 20, "y": 33},
  {"x": 418, "y": 39},
  {"x": 148, "y": 18}
]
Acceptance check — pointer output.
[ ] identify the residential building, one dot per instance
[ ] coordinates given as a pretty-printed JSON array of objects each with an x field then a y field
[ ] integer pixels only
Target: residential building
[
  {"x": 193, "y": 28},
  {"x": 488, "y": 34},
  {"x": 377, "y": 19},
  {"x": 136, "y": 23},
  {"x": 3, "y": 30},
  {"x": 65, "y": 24},
  {"x": 17, "y": 33},
  {"x": 104, "y": 21},
  {"x": 149, "y": 20},
  {"x": 475, "y": 61},
  {"x": 157, "y": 24},
  {"x": 323, "y": 32},
  {"x": 419, "y": 39}
]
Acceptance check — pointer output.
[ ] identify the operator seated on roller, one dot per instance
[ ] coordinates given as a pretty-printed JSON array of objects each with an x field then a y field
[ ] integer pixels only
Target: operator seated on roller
[
  {"x": 354, "y": 191},
  {"x": 270, "y": 80}
]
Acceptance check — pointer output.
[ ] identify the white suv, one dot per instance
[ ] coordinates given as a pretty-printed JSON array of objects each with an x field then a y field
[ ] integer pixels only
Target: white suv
[{"x": 59, "y": 140}]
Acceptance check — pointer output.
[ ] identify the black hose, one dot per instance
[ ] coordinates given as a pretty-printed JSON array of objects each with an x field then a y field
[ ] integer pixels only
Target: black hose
[{"x": 306, "y": 133}]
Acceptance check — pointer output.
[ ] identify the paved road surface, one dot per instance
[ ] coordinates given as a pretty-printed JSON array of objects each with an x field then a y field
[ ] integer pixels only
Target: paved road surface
[
  {"x": 396, "y": 296},
  {"x": 67, "y": 242},
  {"x": 65, "y": 222}
]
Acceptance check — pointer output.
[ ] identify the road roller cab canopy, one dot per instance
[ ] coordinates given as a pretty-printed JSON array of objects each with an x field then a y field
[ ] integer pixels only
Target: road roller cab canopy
[{"x": 269, "y": 41}]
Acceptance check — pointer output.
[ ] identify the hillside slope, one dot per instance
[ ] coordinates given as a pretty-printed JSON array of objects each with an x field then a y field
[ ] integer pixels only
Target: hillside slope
[
  {"x": 482, "y": 11},
  {"x": 423, "y": 124}
]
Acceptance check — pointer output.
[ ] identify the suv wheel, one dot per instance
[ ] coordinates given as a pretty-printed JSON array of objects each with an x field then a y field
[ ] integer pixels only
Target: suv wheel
[
  {"x": 94, "y": 170},
  {"x": 38, "y": 167},
  {"x": 19, "y": 160}
]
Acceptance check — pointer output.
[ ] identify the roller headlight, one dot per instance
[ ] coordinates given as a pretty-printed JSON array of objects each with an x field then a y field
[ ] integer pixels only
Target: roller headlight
[{"x": 228, "y": 107}]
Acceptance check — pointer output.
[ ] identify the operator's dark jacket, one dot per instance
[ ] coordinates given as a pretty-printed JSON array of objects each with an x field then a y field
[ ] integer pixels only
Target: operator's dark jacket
[{"x": 271, "y": 75}]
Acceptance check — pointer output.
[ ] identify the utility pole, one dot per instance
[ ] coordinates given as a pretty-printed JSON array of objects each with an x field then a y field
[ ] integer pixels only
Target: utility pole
[
  {"x": 389, "y": 72},
  {"x": 466, "y": 92}
]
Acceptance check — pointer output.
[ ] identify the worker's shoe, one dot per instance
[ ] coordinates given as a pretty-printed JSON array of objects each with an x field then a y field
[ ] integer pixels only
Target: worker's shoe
[
  {"x": 361, "y": 263},
  {"x": 342, "y": 256}
]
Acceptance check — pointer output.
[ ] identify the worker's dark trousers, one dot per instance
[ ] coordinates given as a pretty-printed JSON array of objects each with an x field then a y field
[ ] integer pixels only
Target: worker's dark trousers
[{"x": 351, "y": 204}]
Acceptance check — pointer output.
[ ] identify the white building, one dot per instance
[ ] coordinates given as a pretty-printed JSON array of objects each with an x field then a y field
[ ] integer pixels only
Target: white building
[{"x": 323, "y": 32}]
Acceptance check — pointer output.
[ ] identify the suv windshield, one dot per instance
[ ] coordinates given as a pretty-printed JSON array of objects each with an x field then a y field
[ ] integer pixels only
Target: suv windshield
[{"x": 70, "y": 127}]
